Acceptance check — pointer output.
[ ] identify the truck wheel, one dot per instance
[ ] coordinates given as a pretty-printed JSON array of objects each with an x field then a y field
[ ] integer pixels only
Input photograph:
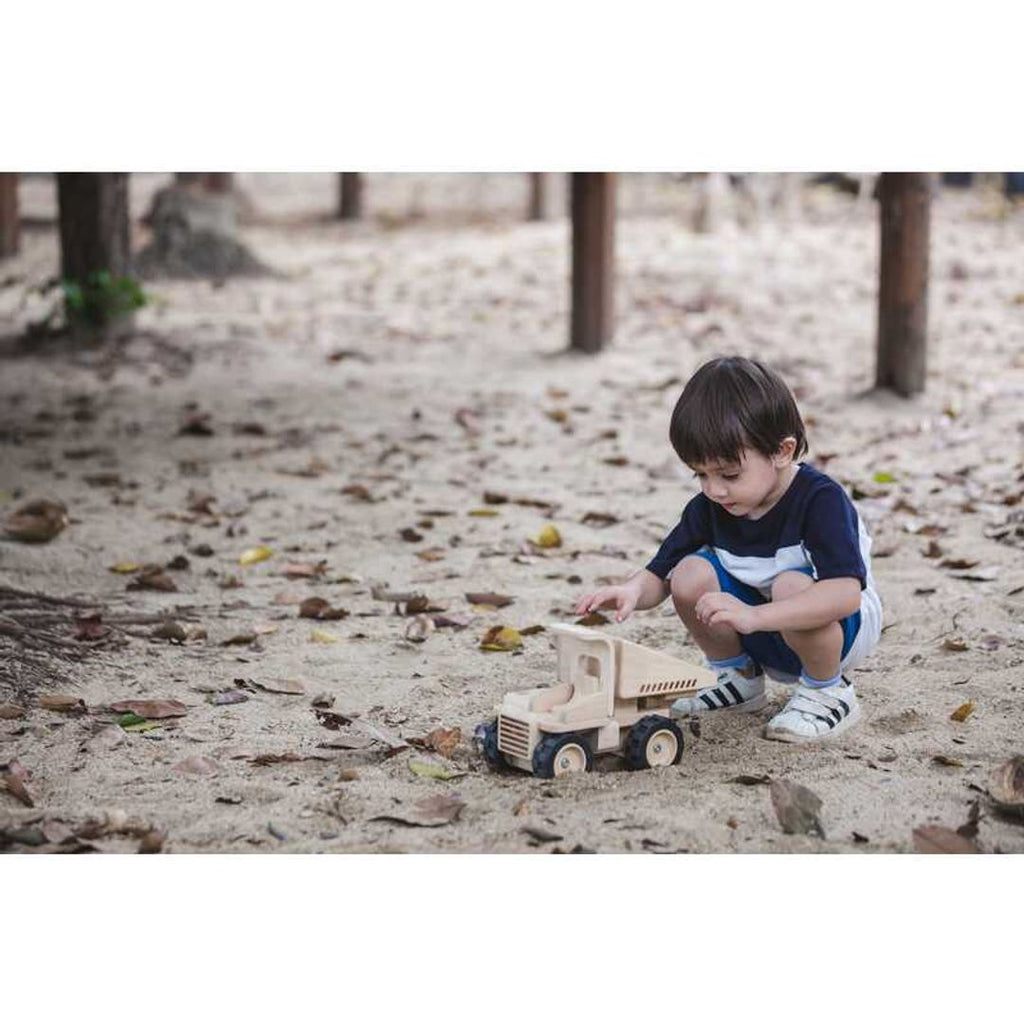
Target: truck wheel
[
  {"x": 654, "y": 742},
  {"x": 561, "y": 755},
  {"x": 487, "y": 738}
]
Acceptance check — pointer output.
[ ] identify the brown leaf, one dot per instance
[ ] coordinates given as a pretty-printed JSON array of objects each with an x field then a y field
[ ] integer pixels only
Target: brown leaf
[
  {"x": 37, "y": 522},
  {"x": 11, "y": 711},
  {"x": 955, "y": 644},
  {"x": 151, "y": 708},
  {"x": 947, "y": 762},
  {"x": 593, "y": 619},
  {"x": 599, "y": 519},
  {"x": 170, "y": 630},
  {"x": 532, "y": 630},
  {"x": 432, "y": 554},
  {"x": 933, "y": 550},
  {"x": 937, "y": 839},
  {"x": 969, "y": 829},
  {"x": 430, "y": 812},
  {"x": 358, "y": 491},
  {"x": 196, "y": 424},
  {"x": 453, "y": 621},
  {"x": 501, "y": 638},
  {"x": 796, "y": 807},
  {"x": 152, "y": 577},
  {"x": 226, "y": 697},
  {"x": 64, "y": 704},
  {"x": 958, "y": 563},
  {"x": 444, "y": 741},
  {"x": 312, "y": 607},
  {"x": 492, "y": 600},
  {"x": 334, "y": 720},
  {"x": 239, "y": 639}
]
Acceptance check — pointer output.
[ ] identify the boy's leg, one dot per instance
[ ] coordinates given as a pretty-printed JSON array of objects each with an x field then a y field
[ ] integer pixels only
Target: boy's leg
[
  {"x": 740, "y": 682},
  {"x": 825, "y": 703}
]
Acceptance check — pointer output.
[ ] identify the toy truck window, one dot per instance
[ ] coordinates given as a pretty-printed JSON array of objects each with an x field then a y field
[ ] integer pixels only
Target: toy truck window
[{"x": 588, "y": 671}]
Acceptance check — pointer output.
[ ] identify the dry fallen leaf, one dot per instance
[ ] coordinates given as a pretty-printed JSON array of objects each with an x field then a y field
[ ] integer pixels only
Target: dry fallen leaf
[
  {"x": 152, "y": 577},
  {"x": 125, "y": 568},
  {"x": 432, "y": 554},
  {"x": 444, "y": 741},
  {"x": 304, "y": 570},
  {"x": 937, "y": 839},
  {"x": 13, "y": 776},
  {"x": 151, "y": 708},
  {"x": 955, "y": 644},
  {"x": 796, "y": 807},
  {"x": 1006, "y": 785},
  {"x": 11, "y": 711},
  {"x": 37, "y": 522},
  {"x": 490, "y": 600},
  {"x": 593, "y": 619},
  {"x": 501, "y": 638},
  {"x": 963, "y": 712},
  {"x": 289, "y": 686},
  {"x": 428, "y": 813},
  {"x": 65, "y": 704}
]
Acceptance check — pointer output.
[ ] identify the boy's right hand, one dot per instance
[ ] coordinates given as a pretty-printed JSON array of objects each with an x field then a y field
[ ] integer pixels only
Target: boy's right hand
[{"x": 622, "y": 597}]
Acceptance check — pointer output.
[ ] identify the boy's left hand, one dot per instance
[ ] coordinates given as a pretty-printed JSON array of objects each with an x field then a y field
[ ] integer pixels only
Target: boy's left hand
[{"x": 718, "y": 609}]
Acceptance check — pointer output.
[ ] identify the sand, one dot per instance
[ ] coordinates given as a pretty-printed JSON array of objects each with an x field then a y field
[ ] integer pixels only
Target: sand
[{"x": 446, "y": 314}]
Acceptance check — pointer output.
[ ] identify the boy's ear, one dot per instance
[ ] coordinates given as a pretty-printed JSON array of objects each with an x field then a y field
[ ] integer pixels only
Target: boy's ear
[{"x": 784, "y": 456}]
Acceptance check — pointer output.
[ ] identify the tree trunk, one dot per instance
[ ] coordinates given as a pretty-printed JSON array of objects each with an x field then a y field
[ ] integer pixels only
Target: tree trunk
[
  {"x": 350, "y": 195},
  {"x": 540, "y": 197},
  {"x": 10, "y": 227},
  {"x": 903, "y": 282},
  {"x": 94, "y": 232},
  {"x": 593, "y": 257}
]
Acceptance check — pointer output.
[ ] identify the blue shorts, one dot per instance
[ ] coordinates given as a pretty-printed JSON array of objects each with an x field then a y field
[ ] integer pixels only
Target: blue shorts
[{"x": 769, "y": 649}]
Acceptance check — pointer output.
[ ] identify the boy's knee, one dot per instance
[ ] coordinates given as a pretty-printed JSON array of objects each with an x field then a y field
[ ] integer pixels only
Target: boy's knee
[
  {"x": 789, "y": 584},
  {"x": 692, "y": 578}
]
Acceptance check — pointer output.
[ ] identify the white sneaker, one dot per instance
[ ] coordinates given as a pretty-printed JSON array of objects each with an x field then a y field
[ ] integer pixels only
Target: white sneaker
[
  {"x": 733, "y": 691},
  {"x": 815, "y": 714}
]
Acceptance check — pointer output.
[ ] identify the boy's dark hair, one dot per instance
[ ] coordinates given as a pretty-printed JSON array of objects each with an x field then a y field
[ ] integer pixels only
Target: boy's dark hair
[{"x": 732, "y": 403}]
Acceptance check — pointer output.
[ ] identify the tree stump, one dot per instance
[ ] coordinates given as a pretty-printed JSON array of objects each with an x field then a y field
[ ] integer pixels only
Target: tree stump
[
  {"x": 94, "y": 233},
  {"x": 903, "y": 282},
  {"x": 593, "y": 259},
  {"x": 10, "y": 226},
  {"x": 350, "y": 195},
  {"x": 539, "y": 207}
]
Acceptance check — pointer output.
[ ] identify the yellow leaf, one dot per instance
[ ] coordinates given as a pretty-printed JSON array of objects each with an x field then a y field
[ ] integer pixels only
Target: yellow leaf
[
  {"x": 549, "y": 537},
  {"x": 126, "y": 567},
  {"x": 321, "y": 636},
  {"x": 501, "y": 638},
  {"x": 963, "y": 712},
  {"x": 483, "y": 512},
  {"x": 433, "y": 771},
  {"x": 253, "y": 555}
]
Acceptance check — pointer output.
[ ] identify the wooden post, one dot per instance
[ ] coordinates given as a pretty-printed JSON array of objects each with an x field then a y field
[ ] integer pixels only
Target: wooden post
[
  {"x": 350, "y": 195},
  {"x": 10, "y": 227},
  {"x": 540, "y": 204},
  {"x": 903, "y": 282},
  {"x": 593, "y": 257},
  {"x": 94, "y": 231}
]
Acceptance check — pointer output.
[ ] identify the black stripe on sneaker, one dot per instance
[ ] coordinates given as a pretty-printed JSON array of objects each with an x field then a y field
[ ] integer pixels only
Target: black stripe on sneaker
[
  {"x": 712, "y": 706},
  {"x": 736, "y": 693},
  {"x": 838, "y": 717},
  {"x": 822, "y": 718},
  {"x": 846, "y": 707}
]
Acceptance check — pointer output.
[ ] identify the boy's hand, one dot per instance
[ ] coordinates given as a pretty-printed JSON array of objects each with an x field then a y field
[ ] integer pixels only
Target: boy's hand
[
  {"x": 717, "y": 609},
  {"x": 622, "y": 597}
]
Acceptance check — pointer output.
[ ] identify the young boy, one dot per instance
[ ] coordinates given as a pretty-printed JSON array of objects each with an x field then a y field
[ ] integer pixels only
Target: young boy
[{"x": 769, "y": 567}]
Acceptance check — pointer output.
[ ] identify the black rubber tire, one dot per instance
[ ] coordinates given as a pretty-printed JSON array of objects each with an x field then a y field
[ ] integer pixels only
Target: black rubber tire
[
  {"x": 636, "y": 743},
  {"x": 545, "y": 753},
  {"x": 489, "y": 745}
]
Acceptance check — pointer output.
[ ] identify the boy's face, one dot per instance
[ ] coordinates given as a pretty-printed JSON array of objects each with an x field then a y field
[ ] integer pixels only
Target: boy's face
[{"x": 750, "y": 486}]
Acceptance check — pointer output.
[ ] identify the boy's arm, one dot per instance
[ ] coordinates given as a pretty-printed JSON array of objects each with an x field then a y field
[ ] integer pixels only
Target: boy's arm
[
  {"x": 821, "y": 603},
  {"x": 651, "y": 590}
]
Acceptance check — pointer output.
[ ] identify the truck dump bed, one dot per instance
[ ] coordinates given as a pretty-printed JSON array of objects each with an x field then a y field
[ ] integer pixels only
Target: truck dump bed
[{"x": 641, "y": 672}]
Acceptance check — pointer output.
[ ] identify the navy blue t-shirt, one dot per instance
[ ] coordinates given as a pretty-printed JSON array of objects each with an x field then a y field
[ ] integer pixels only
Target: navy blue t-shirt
[{"x": 813, "y": 525}]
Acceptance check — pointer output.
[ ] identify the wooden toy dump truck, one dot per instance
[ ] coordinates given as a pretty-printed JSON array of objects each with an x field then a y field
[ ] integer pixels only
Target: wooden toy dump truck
[{"x": 611, "y": 695}]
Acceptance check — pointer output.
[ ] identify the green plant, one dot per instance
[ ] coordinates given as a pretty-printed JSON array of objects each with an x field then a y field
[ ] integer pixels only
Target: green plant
[{"x": 101, "y": 298}]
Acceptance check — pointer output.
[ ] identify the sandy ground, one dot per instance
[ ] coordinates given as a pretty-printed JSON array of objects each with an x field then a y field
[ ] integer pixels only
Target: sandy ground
[{"x": 459, "y": 384}]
